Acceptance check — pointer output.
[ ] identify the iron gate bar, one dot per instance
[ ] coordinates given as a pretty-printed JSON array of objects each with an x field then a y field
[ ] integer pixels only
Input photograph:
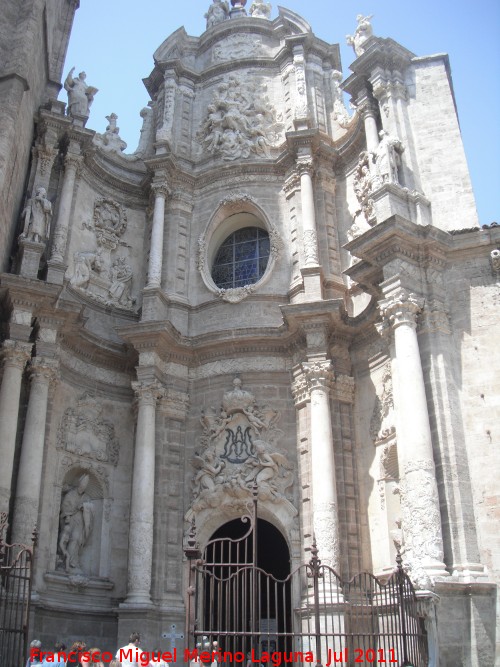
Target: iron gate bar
[
  {"x": 16, "y": 571},
  {"x": 241, "y": 607}
]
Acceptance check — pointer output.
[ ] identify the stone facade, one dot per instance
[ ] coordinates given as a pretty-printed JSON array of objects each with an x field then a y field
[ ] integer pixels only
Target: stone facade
[{"x": 351, "y": 374}]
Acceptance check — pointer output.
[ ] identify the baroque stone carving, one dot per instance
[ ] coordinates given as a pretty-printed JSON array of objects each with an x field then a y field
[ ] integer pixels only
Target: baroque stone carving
[
  {"x": 311, "y": 247},
  {"x": 238, "y": 451},
  {"x": 495, "y": 260},
  {"x": 260, "y": 9},
  {"x": 235, "y": 294},
  {"x": 382, "y": 423},
  {"x": 402, "y": 307},
  {"x": 240, "y": 121},
  {"x": 421, "y": 520},
  {"x": 106, "y": 280},
  {"x": 236, "y": 47},
  {"x": 75, "y": 524},
  {"x": 36, "y": 215},
  {"x": 84, "y": 431},
  {"x": 363, "y": 31},
  {"x": 80, "y": 95},
  {"x": 340, "y": 113},
  {"x": 110, "y": 141},
  {"x": 387, "y": 159},
  {"x": 217, "y": 12}
]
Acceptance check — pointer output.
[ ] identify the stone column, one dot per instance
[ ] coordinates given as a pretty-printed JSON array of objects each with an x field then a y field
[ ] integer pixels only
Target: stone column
[
  {"x": 156, "y": 250},
  {"x": 368, "y": 110},
  {"x": 15, "y": 355},
  {"x": 142, "y": 506},
  {"x": 72, "y": 163},
  {"x": 43, "y": 372},
  {"x": 421, "y": 517},
  {"x": 305, "y": 169},
  {"x": 319, "y": 376}
]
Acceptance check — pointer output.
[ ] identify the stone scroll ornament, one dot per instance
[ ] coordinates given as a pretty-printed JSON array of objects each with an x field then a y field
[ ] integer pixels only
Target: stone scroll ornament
[
  {"x": 240, "y": 121},
  {"x": 237, "y": 451}
]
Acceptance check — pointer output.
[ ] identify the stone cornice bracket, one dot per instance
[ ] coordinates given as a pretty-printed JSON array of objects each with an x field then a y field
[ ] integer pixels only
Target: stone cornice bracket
[
  {"x": 174, "y": 404},
  {"x": 401, "y": 307}
]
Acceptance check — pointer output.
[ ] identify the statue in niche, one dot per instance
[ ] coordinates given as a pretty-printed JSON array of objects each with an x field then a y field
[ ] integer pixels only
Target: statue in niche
[
  {"x": 238, "y": 449},
  {"x": 75, "y": 523},
  {"x": 36, "y": 216},
  {"x": 80, "y": 95},
  {"x": 217, "y": 12},
  {"x": 363, "y": 31},
  {"x": 260, "y": 9},
  {"x": 388, "y": 159},
  {"x": 240, "y": 121},
  {"x": 121, "y": 279}
]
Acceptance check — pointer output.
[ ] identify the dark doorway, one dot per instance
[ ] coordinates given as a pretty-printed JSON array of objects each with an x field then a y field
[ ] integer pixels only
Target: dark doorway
[{"x": 247, "y": 605}]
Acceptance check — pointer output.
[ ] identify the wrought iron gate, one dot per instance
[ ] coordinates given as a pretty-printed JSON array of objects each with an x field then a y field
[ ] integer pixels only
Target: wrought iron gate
[
  {"x": 16, "y": 563},
  {"x": 241, "y": 613}
]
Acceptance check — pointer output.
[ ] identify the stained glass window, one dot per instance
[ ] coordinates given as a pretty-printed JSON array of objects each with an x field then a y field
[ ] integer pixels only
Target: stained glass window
[{"x": 242, "y": 258}]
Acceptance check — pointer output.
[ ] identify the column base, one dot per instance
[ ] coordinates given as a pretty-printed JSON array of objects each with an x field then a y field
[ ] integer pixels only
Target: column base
[
  {"x": 468, "y": 573},
  {"x": 137, "y": 601}
]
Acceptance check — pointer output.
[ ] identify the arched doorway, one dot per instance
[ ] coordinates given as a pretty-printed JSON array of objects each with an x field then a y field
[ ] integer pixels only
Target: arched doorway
[{"x": 247, "y": 592}]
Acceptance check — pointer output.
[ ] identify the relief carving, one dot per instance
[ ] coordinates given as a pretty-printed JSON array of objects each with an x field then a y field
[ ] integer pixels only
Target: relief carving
[
  {"x": 237, "y": 46},
  {"x": 95, "y": 272},
  {"x": 238, "y": 451},
  {"x": 84, "y": 432},
  {"x": 240, "y": 121},
  {"x": 382, "y": 423}
]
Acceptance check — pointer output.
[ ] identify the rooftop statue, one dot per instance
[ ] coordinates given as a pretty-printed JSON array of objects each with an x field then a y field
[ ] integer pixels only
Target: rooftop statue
[
  {"x": 363, "y": 31},
  {"x": 80, "y": 95},
  {"x": 260, "y": 9},
  {"x": 217, "y": 12}
]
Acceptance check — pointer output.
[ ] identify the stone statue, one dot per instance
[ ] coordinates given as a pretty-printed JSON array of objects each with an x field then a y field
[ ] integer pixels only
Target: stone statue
[
  {"x": 111, "y": 141},
  {"x": 121, "y": 279},
  {"x": 217, "y": 12},
  {"x": 80, "y": 96},
  {"x": 388, "y": 158},
  {"x": 363, "y": 31},
  {"x": 259, "y": 9},
  {"x": 75, "y": 523},
  {"x": 36, "y": 216},
  {"x": 85, "y": 263}
]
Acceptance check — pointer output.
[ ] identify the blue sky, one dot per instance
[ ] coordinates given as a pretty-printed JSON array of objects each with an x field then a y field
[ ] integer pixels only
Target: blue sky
[{"x": 114, "y": 43}]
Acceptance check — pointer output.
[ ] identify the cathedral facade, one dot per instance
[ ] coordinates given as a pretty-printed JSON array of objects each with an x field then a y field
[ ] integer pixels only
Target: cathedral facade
[{"x": 273, "y": 292}]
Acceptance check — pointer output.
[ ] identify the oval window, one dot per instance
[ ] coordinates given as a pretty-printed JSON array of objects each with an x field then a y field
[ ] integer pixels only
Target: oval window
[{"x": 242, "y": 259}]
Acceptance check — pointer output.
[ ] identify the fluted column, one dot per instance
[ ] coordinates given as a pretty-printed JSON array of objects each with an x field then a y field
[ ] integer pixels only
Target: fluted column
[
  {"x": 156, "y": 250},
  {"x": 72, "y": 163},
  {"x": 142, "y": 506},
  {"x": 319, "y": 376},
  {"x": 305, "y": 169},
  {"x": 43, "y": 371},
  {"x": 421, "y": 517},
  {"x": 15, "y": 355}
]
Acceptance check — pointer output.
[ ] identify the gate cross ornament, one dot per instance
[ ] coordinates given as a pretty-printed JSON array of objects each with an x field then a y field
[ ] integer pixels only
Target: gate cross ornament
[{"x": 172, "y": 635}]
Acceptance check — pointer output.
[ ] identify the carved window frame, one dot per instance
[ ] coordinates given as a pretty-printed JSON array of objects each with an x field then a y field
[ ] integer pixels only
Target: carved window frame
[{"x": 233, "y": 213}]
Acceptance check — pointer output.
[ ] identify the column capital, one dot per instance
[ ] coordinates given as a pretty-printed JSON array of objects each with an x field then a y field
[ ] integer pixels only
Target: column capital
[
  {"x": 44, "y": 369},
  {"x": 160, "y": 190},
  {"x": 174, "y": 404},
  {"x": 401, "y": 307},
  {"x": 148, "y": 393},
  {"x": 15, "y": 353},
  {"x": 319, "y": 374},
  {"x": 73, "y": 162},
  {"x": 305, "y": 165},
  {"x": 343, "y": 388}
]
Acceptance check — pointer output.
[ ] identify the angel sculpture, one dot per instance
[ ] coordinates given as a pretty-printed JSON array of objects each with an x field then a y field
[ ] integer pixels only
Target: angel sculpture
[
  {"x": 80, "y": 96},
  {"x": 363, "y": 31},
  {"x": 208, "y": 470}
]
